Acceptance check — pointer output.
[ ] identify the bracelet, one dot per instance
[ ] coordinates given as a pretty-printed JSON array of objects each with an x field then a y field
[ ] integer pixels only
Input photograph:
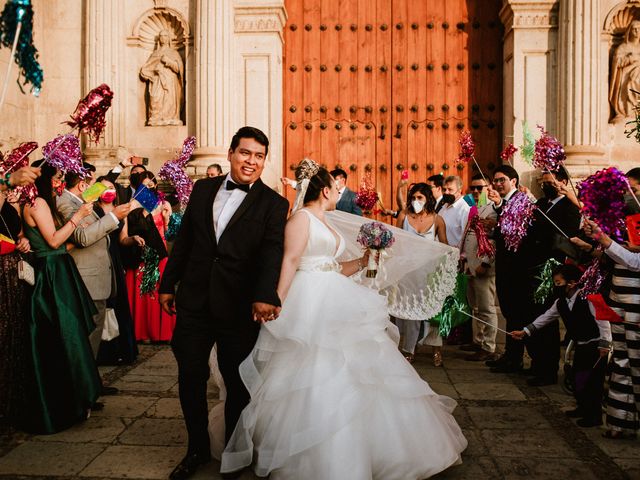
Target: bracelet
[{"x": 73, "y": 223}]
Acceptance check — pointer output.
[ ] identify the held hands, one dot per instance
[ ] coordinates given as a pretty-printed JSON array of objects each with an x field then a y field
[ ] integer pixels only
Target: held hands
[
  {"x": 24, "y": 176},
  {"x": 85, "y": 210},
  {"x": 581, "y": 244},
  {"x": 592, "y": 230},
  {"x": 138, "y": 240},
  {"x": 493, "y": 195},
  {"x": 265, "y": 312},
  {"x": 121, "y": 211},
  {"x": 518, "y": 334}
]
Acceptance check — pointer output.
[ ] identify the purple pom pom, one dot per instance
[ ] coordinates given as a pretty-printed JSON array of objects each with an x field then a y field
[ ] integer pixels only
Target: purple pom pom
[
  {"x": 63, "y": 153},
  {"x": 173, "y": 171},
  {"x": 603, "y": 197},
  {"x": 550, "y": 154},
  {"x": 515, "y": 219},
  {"x": 592, "y": 279}
]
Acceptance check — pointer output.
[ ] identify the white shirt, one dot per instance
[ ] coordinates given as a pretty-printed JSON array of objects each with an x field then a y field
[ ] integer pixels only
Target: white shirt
[
  {"x": 555, "y": 201},
  {"x": 553, "y": 314},
  {"x": 455, "y": 218},
  {"x": 225, "y": 205},
  {"x": 340, "y": 192},
  {"x": 506, "y": 198},
  {"x": 624, "y": 257}
]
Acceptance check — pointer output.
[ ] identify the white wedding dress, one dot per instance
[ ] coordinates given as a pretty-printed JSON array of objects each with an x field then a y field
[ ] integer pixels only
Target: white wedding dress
[{"x": 332, "y": 398}]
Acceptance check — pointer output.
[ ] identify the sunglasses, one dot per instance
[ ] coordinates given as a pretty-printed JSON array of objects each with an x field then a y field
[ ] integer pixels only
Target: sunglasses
[{"x": 476, "y": 187}]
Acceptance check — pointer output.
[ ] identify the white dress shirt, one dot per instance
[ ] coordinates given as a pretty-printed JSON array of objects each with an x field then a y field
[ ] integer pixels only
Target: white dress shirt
[
  {"x": 553, "y": 314},
  {"x": 225, "y": 205},
  {"x": 455, "y": 218},
  {"x": 623, "y": 256}
]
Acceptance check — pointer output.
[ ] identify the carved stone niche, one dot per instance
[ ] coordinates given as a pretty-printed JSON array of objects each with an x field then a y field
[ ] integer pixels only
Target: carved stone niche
[
  {"x": 165, "y": 34},
  {"x": 623, "y": 26}
]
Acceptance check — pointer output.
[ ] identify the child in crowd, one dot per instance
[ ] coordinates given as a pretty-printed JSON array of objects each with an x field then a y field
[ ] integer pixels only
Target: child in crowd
[{"x": 592, "y": 339}]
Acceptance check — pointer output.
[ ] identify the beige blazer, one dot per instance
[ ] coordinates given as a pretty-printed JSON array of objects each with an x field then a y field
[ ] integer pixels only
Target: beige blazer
[{"x": 91, "y": 252}]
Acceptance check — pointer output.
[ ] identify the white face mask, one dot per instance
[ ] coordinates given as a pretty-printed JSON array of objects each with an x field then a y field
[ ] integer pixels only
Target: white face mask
[{"x": 417, "y": 205}]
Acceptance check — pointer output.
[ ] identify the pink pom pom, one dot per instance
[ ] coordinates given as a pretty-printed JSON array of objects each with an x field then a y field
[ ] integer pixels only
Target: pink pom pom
[
  {"x": 89, "y": 116},
  {"x": 63, "y": 153},
  {"x": 507, "y": 154},
  {"x": 467, "y": 147},
  {"x": 18, "y": 157},
  {"x": 550, "y": 155},
  {"x": 603, "y": 197},
  {"x": 592, "y": 279},
  {"x": 515, "y": 219},
  {"x": 173, "y": 172},
  {"x": 485, "y": 247}
]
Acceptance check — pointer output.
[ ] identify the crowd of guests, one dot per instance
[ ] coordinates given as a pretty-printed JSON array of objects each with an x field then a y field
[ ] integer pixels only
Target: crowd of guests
[
  {"x": 71, "y": 295},
  {"x": 437, "y": 210}
]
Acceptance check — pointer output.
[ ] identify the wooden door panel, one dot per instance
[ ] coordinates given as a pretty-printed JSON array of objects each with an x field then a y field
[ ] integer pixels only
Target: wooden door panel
[{"x": 356, "y": 70}]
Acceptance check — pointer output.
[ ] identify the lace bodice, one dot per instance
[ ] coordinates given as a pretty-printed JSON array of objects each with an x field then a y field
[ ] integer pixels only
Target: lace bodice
[{"x": 322, "y": 247}]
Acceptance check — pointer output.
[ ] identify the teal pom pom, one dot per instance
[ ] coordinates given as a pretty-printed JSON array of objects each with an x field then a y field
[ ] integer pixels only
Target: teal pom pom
[
  {"x": 175, "y": 220},
  {"x": 528, "y": 148},
  {"x": 150, "y": 271},
  {"x": 546, "y": 281},
  {"x": 26, "y": 56},
  {"x": 451, "y": 314}
]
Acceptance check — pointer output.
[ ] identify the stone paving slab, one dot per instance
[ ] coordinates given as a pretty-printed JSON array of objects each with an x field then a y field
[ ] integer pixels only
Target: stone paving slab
[
  {"x": 49, "y": 458},
  {"x": 93, "y": 430},
  {"x": 161, "y": 369},
  {"x": 476, "y": 468},
  {"x": 497, "y": 417},
  {"x": 139, "y": 462},
  {"x": 545, "y": 468},
  {"x": 155, "y": 431},
  {"x": 526, "y": 443},
  {"x": 146, "y": 383},
  {"x": 492, "y": 391},
  {"x": 124, "y": 406}
]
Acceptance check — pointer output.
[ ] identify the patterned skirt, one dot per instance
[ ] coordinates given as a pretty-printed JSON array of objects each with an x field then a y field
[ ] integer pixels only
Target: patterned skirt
[{"x": 14, "y": 302}]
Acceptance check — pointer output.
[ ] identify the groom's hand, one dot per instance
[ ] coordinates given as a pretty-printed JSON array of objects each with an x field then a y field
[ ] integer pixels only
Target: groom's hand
[
  {"x": 166, "y": 302},
  {"x": 265, "y": 312}
]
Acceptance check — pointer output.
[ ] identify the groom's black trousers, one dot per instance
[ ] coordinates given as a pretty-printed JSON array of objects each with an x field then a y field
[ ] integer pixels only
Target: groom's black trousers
[{"x": 193, "y": 339}]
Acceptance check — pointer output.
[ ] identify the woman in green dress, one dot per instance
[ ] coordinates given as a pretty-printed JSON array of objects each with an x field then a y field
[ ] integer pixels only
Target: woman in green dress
[{"x": 63, "y": 380}]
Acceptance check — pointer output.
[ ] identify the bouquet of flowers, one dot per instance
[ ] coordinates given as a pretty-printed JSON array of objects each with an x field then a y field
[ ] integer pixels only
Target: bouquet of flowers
[
  {"x": 376, "y": 237},
  {"x": 367, "y": 197}
]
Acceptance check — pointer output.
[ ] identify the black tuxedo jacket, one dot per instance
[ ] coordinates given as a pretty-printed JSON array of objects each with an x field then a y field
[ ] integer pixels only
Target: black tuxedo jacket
[
  {"x": 221, "y": 279},
  {"x": 566, "y": 215}
]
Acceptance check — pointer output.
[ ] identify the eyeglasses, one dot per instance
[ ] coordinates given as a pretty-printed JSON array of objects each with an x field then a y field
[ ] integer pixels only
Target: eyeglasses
[
  {"x": 499, "y": 180},
  {"x": 476, "y": 187}
]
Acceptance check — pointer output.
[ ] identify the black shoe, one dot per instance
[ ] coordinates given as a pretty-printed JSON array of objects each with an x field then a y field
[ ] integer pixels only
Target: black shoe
[
  {"x": 527, "y": 372},
  {"x": 498, "y": 361},
  {"x": 541, "y": 381},
  {"x": 97, "y": 406},
  {"x": 108, "y": 391},
  {"x": 589, "y": 422},
  {"x": 575, "y": 413},
  {"x": 188, "y": 466},
  {"x": 506, "y": 367}
]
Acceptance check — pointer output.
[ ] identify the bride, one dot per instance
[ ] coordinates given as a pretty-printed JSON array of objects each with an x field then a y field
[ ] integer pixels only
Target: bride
[{"x": 331, "y": 395}]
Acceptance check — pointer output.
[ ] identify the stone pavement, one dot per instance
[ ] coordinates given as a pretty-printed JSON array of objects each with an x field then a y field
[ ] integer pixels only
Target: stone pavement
[{"x": 514, "y": 431}]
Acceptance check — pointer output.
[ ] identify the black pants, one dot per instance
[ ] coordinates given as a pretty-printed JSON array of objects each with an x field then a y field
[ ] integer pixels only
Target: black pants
[
  {"x": 192, "y": 341},
  {"x": 589, "y": 380},
  {"x": 516, "y": 304},
  {"x": 544, "y": 348}
]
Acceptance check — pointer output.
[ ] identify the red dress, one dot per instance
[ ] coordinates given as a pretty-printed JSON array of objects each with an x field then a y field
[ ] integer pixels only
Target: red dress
[{"x": 149, "y": 320}]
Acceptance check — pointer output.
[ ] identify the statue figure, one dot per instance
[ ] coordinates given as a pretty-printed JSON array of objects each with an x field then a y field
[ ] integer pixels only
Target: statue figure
[
  {"x": 624, "y": 90},
  {"x": 164, "y": 72}
]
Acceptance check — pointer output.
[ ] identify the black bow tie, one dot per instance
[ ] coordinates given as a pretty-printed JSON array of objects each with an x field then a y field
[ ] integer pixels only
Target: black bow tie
[{"x": 232, "y": 186}]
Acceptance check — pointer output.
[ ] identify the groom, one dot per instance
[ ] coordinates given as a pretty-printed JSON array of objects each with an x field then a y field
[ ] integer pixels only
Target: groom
[{"x": 226, "y": 263}]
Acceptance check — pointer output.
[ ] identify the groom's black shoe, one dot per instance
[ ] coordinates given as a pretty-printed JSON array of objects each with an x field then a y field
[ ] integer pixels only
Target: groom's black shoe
[{"x": 188, "y": 466}]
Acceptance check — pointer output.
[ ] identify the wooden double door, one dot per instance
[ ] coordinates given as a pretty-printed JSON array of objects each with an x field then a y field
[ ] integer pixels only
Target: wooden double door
[{"x": 379, "y": 86}]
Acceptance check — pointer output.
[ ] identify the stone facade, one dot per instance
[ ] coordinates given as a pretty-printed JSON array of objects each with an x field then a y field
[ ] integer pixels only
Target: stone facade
[{"x": 558, "y": 57}]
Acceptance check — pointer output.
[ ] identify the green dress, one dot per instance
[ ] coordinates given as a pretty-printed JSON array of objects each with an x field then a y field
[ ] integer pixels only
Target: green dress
[{"x": 63, "y": 379}]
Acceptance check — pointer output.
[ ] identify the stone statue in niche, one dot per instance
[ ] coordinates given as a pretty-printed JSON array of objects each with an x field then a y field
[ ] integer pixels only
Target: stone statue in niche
[
  {"x": 164, "y": 74},
  {"x": 625, "y": 74}
]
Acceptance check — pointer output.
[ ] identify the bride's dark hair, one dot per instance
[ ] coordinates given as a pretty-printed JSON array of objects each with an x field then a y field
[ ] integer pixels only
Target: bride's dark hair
[{"x": 319, "y": 178}]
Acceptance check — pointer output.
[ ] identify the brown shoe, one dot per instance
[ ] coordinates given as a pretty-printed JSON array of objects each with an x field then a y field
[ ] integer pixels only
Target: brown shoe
[{"x": 480, "y": 356}]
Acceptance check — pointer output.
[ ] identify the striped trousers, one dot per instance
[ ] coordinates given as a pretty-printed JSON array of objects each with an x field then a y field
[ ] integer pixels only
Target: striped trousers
[{"x": 623, "y": 399}]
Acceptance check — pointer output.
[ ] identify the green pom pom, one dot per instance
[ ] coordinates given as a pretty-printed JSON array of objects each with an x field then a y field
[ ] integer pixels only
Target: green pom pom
[
  {"x": 150, "y": 271},
  {"x": 528, "y": 148},
  {"x": 450, "y": 316},
  {"x": 546, "y": 281}
]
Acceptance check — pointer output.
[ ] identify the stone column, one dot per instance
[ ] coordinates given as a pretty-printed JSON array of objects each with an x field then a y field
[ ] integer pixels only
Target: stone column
[
  {"x": 211, "y": 115},
  {"x": 103, "y": 60},
  {"x": 579, "y": 115},
  {"x": 530, "y": 78}
]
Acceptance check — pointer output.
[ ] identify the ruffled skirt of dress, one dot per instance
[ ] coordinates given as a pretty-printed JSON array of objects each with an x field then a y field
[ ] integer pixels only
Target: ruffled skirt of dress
[{"x": 332, "y": 397}]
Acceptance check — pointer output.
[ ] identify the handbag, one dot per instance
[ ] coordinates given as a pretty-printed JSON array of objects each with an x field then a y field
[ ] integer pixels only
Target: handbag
[
  {"x": 110, "y": 330},
  {"x": 26, "y": 272}
]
